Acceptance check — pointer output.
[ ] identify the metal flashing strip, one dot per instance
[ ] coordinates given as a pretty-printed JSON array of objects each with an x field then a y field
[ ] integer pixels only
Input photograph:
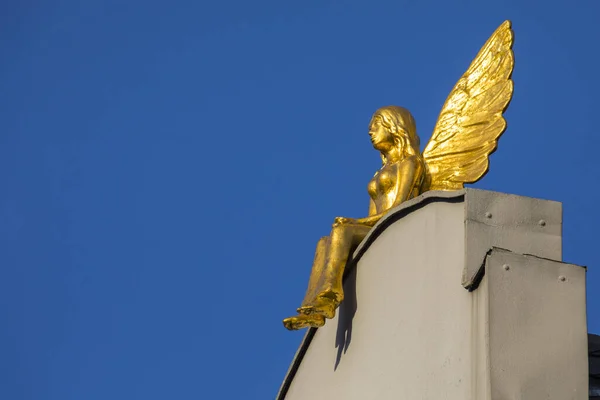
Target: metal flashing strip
[
  {"x": 521, "y": 224},
  {"x": 289, "y": 376}
]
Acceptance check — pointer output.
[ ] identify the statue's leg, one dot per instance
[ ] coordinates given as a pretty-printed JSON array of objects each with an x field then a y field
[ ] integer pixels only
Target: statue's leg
[
  {"x": 310, "y": 319},
  {"x": 328, "y": 293},
  {"x": 343, "y": 240},
  {"x": 317, "y": 269},
  {"x": 325, "y": 291}
]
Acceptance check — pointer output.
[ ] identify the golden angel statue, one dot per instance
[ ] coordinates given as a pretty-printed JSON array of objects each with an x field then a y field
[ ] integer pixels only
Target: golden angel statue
[{"x": 464, "y": 136}]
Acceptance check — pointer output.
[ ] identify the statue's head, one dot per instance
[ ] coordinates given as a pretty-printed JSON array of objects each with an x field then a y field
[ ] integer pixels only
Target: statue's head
[{"x": 394, "y": 126}]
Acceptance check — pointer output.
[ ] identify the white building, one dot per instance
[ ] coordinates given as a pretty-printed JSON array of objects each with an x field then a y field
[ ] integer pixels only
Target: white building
[{"x": 455, "y": 295}]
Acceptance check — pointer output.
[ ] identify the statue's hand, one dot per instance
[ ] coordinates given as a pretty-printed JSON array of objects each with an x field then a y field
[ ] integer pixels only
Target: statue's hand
[{"x": 343, "y": 221}]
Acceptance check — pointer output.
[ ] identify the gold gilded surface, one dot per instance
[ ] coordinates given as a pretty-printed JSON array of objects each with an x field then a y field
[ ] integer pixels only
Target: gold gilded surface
[{"x": 464, "y": 136}]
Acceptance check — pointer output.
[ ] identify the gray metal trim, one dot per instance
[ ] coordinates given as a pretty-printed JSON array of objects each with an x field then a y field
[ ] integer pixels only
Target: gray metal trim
[{"x": 520, "y": 224}]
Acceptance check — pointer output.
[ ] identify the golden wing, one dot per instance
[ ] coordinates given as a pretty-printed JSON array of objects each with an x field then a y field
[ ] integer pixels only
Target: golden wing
[{"x": 471, "y": 121}]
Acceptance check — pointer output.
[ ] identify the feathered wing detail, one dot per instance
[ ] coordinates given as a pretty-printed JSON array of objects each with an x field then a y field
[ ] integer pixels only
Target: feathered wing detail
[{"x": 471, "y": 121}]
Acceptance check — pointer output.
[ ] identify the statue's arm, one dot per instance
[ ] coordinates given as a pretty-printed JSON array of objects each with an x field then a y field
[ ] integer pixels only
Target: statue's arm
[
  {"x": 409, "y": 175},
  {"x": 361, "y": 221}
]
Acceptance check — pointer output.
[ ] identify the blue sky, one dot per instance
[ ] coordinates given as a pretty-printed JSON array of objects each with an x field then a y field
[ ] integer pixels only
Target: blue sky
[{"x": 167, "y": 168}]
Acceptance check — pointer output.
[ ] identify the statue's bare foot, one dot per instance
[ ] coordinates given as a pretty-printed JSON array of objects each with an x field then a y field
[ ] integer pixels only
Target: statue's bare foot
[
  {"x": 304, "y": 321},
  {"x": 324, "y": 306}
]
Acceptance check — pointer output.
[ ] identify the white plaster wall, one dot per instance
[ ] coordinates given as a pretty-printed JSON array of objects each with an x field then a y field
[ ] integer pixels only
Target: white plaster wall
[
  {"x": 410, "y": 335},
  {"x": 408, "y": 329}
]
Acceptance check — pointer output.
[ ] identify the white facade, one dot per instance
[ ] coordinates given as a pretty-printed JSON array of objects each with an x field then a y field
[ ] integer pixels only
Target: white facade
[{"x": 408, "y": 328}]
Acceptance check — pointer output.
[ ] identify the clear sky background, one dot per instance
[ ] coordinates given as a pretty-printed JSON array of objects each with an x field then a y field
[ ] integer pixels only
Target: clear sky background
[{"x": 167, "y": 168}]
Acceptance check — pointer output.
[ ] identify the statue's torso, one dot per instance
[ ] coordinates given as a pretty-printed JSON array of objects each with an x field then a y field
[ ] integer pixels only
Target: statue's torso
[{"x": 384, "y": 186}]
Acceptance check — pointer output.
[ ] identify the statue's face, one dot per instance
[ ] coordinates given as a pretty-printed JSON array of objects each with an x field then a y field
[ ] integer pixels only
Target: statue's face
[{"x": 380, "y": 136}]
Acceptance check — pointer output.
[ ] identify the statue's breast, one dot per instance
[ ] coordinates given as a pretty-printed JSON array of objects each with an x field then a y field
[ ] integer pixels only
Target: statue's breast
[
  {"x": 372, "y": 188},
  {"x": 382, "y": 182}
]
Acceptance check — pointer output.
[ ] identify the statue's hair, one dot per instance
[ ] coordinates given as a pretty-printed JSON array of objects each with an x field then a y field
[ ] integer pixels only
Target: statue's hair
[{"x": 401, "y": 125}]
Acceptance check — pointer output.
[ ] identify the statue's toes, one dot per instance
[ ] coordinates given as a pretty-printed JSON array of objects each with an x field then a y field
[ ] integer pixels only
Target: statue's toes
[
  {"x": 304, "y": 321},
  {"x": 324, "y": 306},
  {"x": 306, "y": 310}
]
